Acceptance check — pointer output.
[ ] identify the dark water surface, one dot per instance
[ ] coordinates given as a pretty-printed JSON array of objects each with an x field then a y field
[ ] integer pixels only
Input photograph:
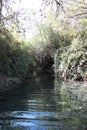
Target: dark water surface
[{"x": 45, "y": 104}]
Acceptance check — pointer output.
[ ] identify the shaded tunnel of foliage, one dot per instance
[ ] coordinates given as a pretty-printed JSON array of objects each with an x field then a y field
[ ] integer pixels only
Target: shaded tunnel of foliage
[
  {"x": 59, "y": 46},
  {"x": 20, "y": 59}
]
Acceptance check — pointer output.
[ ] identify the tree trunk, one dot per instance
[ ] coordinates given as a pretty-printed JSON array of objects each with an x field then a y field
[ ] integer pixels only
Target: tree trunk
[{"x": 0, "y": 11}]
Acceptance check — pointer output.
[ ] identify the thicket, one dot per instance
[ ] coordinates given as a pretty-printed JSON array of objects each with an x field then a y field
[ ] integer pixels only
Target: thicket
[
  {"x": 73, "y": 59},
  {"x": 69, "y": 18},
  {"x": 66, "y": 49},
  {"x": 45, "y": 44},
  {"x": 15, "y": 55}
]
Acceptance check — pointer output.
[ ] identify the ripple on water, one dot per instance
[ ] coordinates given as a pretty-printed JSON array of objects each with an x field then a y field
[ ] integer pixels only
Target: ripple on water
[{"x": 59, "y": 107}]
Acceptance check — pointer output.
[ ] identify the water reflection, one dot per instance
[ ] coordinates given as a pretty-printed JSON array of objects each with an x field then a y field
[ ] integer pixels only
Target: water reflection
[{"x": 45, "y": 104}]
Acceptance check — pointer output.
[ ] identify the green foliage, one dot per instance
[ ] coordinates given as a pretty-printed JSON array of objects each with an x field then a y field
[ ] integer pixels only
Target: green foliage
[
  {"x": 46, "y": 42},
  {"x": 73, "y": 60},
  {"x": 15, "y": 56},
  {"x": 70, "y": 24},
  {"x": 63, "y": 35}
]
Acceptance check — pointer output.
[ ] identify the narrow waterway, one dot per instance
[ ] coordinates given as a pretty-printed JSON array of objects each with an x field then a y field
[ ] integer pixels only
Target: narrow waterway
[{"x": 45, "y": 104}]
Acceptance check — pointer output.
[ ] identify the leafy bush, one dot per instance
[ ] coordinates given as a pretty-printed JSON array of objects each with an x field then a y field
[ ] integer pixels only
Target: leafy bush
[
  {"x": 15, "y": 56},
  {"x": 73, "y": 60}
]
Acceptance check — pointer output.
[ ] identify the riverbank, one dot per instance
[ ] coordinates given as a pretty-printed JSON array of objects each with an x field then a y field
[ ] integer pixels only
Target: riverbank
[{"x": 8, "y": 83}]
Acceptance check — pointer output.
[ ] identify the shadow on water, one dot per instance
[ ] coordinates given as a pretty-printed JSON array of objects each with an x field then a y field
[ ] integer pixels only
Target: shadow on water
[{"x": 45, "y": 104}]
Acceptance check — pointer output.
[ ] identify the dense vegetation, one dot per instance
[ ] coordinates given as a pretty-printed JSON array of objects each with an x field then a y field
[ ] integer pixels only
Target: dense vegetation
[
  {"x": 73, "y": 62},
  {"x": 69, "y": 20},
  {"x": 61, "y": 40},
  {"x": 14, "y": 55}
]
